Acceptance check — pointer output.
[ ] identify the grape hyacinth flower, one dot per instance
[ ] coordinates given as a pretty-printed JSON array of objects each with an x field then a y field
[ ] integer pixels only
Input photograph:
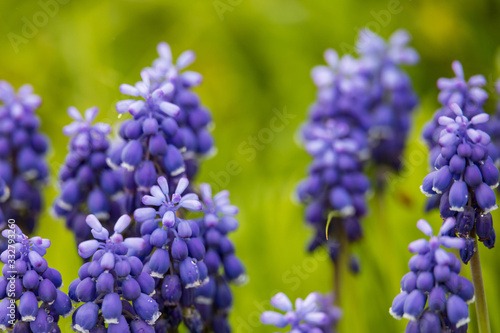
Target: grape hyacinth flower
[
  {"x": 336, "y": 182},
  {"x": 115, "y": 292},
  {"x": 30, "y": 299},
  {"x": 392, "y": 98},
  {"x": 88, "y": 184},
  {"x": 214, "y": 300},
  {"x": 23, "y": 168},
  {"x": 433, "y": 296},
  {"x": 494, "y": 129},
  {"x": 169, "y": 130},
  {"x": 314, "y": 314},
  {"x": 469, "y": 95},
  {"x": 464, "y": 179},
  {"x": 174, "y": 253}
]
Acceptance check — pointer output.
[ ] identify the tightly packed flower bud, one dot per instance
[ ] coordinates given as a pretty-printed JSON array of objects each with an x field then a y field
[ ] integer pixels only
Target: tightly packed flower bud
[
  {"x": 214, "y": 299},
  {"x": 469, "y": 95},
  {"x": 29, "y": 290},
  {"x": 362, "y": 110},
  {"x": 464, "y": 177},
  {"x": 174, "y": 255},
  {"x": 23, "y": 168},
  {"x": 433, "y": 296},
  {"x": 392, "y": 98},
  {"x": 314, "y": 314},
  {"x": 169, "y": 129},
  {"x": 88, "y": 184},
  {"x": 116, "y": 294}
]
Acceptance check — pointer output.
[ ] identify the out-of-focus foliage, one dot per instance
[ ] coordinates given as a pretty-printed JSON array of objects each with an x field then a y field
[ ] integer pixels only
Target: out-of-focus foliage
[{"x": 255, "y": 56}]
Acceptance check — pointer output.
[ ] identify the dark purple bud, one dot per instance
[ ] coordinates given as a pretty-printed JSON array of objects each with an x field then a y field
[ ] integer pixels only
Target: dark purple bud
[
  {"x": 171, "y": 289},
  {"x": 466, "y": 291},
  {"x": 98, "y": 203},
  {"x": 437, "y": 299},
  {"x": 459, "y": 196},
  {"x": 442, "y": 179},
  {"x": 223, "y": 297},
  {"x": 490, "y": 173},
  {"x": 135, "y": 266},
  {"x": 409, "y": 282},
  {"x": 105, "y": 283},
  {"x": 425, "y": 281},
  {"x": 490, "y": 242},
  {"x": 445, "y": 207},
  {"x": 122, "y": 268},
  {"x": 453, "y": 283},
  {"x": 132, "y": 154},
  {"x": 131, "y": 289},
  {"x": 430, "y": 322},
  {"x": 414, "y": 305},
  {"x": 234, "y": 269},
  {"x": 120, "y": 327},
  {"x": 71, "y": 194},
  {"x": 179, "y": 249},
  {"x": 62, "y": 305},
  {"x": 41, "y": 323},
  {"x": 30, "y": 280},
  {"x": 147, "y": 283},
  {"x": 47, "y": 291},
  {"x": 159, "y": 263},
  {"x": 465, "y": 221},
  {"x": 146, "y": 308},
  {"x": 111, "y": 308},
  {"x": 54, "y": 276},
  {"x": 213, "y": 261},
  {"x": 173, "y": 160},
  {"x": 140, "y": 326},
  {"x": 473, "y": 176},
  {"x": 158, "y": 237},
  {"x": 464, "y": 150},
  {"x": 150, "y": 126},
  {"x": 484, "y": 226},
  {"x": 457, "y": 310},
  {"x": 189, "y": 273},
  {"x": 86, "y": 317},
  {"x": 145, "y": 175},
  {"x": 442, "y": 273},
  {"x": 419, "y": 262},
  {"x": 457, "y": 164},
  {"x": 485, "y": 198},
  {"x": 341, "y": 201},
  {"x": 133, "y": 129},
  {"x": 86, "y": 290},
  {"x": 196, "y": 248},
  {"x": 184, "y": 229},
  {"x": 157, "y": 145},
  {"x": 72, "y": 290},
  {"x": 28, "y": 306}
]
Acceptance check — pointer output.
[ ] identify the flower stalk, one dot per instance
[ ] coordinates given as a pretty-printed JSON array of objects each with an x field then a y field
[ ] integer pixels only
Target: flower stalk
[{"x": 483, "y": 321}]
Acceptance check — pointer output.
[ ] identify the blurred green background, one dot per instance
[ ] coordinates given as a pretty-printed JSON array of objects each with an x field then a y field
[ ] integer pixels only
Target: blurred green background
[{"x": 255, "y": 56}]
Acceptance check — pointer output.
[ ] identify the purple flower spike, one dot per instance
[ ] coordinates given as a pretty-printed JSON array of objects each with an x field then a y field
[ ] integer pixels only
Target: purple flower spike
[
  {"x": 433, "y": 297},
  {"x": 33, "y": 285},
  {"x": 464, "y": 155},
  {"x": 314, "y": 314},
  {"x": 23, "y": 168}
]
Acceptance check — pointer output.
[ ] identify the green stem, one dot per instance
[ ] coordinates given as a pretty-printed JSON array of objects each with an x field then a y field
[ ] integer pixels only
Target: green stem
[
  {"x": 340, "y": 266},
  {"x": 483, "y": 321}
]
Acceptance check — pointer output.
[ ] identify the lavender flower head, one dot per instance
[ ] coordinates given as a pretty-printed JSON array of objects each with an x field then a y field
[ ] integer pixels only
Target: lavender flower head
[
  {"x": 115, "y": 292},
  {"x": 469, "y": 95},
  {"x": 433, "y": 296},
  {"x": 392, "y": 98},
  {"x": 23, "y": 168},
  {"x": 314, "y": 314},
  {"x": 169, "y": 130},
  {"x": 213, "y": 300},
  {"x": 29, "y": 290},
  {"x": 88, "y": 184},
  {"x": 464, "y": 178},
  {"x": 174, "y": 255}
]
